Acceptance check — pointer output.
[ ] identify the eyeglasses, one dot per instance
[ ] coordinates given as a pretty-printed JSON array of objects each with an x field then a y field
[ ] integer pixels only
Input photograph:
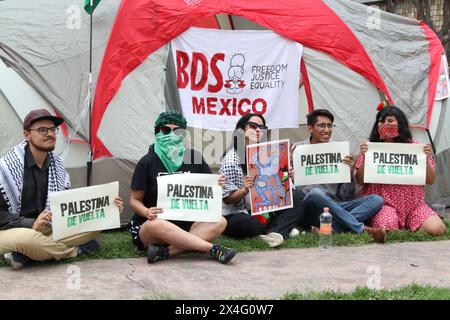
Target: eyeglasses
[
  {"x": 325, "y": 125},
  {"x": 254, "y": 126},
  {"x": 178, "y": 131},
  {"x": 44, "y": 131}
]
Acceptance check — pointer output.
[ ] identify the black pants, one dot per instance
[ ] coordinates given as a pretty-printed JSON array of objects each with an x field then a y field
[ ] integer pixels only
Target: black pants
[{"x": 241, "y": 226}]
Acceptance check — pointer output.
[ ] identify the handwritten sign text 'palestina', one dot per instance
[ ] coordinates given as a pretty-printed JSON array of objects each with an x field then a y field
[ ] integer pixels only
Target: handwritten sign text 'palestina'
[
  {"x": 84, "y": 209},
  {"x": 395, "y": 163},
  {"x": 321, "y": 163},
  {"x": 190, "y": 197}
]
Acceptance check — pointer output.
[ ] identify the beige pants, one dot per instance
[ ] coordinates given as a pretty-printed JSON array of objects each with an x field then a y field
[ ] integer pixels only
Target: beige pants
[{"x": 40, "y": 246}]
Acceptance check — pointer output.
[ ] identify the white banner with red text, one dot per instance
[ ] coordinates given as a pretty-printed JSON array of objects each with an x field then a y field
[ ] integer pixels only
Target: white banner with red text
[{"x": 225, "y": 74}]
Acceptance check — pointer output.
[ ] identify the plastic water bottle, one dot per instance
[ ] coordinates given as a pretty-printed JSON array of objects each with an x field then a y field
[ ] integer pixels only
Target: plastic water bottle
[{"x": 325, "y": 229}]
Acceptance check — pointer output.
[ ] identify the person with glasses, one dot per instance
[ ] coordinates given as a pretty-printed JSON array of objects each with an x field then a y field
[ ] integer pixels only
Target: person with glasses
[
  {"x": 404, "y": 205},
  {"x": 29, "y": 172},
  {"x": 277, "y": 226},
  {"x": 349, "y": 214},
  {"x": 164, "y": 238}
]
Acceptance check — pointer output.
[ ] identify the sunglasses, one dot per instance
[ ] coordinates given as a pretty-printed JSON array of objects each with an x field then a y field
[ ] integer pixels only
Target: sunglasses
[
  {"x": 254, "y": 126},
  {"x": 177, "y": 131}
]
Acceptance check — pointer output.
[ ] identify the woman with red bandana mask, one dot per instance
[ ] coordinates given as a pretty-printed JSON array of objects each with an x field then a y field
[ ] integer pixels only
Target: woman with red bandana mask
[{"x": 404, "y": 205}]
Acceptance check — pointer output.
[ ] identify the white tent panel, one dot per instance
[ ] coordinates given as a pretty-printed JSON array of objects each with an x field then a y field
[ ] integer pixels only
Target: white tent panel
[
  {"x": 22, "y": 98},
  {"x": 435, "y": 116},
  {"x": 442, "y": 136},
  {"x": 10, "y": 124},
  {"x": 351, "y": 98},
  {"x": 399, "y": 50},
  {"x": 20, "y": 95},
  {"x": 303, "y": 103},
  {"x": 77, "y": 154},
  {"x": 421, "y": 135},
  {"x": 127, "y": 126}
]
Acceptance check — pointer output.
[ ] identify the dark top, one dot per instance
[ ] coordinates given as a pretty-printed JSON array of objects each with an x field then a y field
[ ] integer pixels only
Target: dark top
[
  {"x": 150, "y": 167},
  {"x": 34, "y": 195}
]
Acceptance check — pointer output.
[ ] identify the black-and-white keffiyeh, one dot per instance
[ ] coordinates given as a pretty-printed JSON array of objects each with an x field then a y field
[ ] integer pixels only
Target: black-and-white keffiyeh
[
  {"x": 230, "y": 167},
  {"x": 11, "y": 176}
]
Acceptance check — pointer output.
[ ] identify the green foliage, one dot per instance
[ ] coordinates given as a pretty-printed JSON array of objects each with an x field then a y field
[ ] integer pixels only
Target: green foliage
[
  {"x": 117, "y": 244},
  {"x": 245, "y": 297},
  {"x": 410, "y": 292},
  {"x": 310, "y": 240},
  {"x": 160, "y": 296},
  {"x": 113, "y": 245}
]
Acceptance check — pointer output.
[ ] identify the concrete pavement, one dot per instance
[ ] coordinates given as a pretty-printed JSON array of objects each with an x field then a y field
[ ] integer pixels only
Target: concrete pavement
[{"x": 269, "y": 274}]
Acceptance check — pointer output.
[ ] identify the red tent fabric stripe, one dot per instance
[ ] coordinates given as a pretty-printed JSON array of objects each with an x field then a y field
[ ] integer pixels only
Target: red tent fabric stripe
[
  {"x": 435, "y": 51},
  {"x": 307, "y": 85},
  {"x": 208, "y": 22},
  {"x": 313, "y": 24},
  {"x": 143, "y": 26},
  {"x": 129, "y": 44}
]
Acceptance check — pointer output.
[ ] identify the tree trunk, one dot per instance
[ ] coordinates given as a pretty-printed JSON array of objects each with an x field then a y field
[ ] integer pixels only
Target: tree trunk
[
  {"x": 391, "y": 6},
  {"x": 444, "y": 33},
  {"x": 424, "y": 12}
]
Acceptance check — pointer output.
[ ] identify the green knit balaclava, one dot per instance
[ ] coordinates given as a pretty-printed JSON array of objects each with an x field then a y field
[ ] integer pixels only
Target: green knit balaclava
[{"x": 170, "y": 147}]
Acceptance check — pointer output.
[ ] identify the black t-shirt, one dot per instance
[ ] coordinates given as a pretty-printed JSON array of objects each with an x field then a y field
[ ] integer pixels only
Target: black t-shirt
[
  {"x": 150, "y": 167},
  {"x": 34, "y": 195}
]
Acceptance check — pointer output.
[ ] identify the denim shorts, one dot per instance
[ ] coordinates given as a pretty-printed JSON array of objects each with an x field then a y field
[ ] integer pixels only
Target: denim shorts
[{"x": 134, "y": 227}]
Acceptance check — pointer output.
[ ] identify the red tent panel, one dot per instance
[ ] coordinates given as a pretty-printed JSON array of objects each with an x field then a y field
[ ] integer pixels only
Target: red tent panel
[
  {"x": 435, "y": 51},
  {"x": 143, "y": 26}
]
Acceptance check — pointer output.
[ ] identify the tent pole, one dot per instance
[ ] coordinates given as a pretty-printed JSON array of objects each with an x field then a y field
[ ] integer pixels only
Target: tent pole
[
  {"x": 431, "y": 141},
  {"x": 89, "y": 163}
]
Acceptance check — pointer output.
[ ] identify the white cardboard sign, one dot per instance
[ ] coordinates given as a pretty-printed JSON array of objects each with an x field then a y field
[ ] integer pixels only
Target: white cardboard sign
[
  {"x": 190, "y": 197},
  {"x": 84, "y": 209},
  {"x": 395, "y": 163},
  {"x": 321, "y": 163}
]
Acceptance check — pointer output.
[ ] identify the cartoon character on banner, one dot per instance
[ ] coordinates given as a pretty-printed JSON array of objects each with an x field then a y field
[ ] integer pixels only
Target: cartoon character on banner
[
  {"x": 236, "y": 71},
  {"x": 268, "y": 163}
]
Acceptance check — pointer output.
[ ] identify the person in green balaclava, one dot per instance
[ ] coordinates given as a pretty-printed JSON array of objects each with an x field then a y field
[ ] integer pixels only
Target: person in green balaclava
[
  {"x": 169, "y": 146},
  {"x": 164, "y": 238}
]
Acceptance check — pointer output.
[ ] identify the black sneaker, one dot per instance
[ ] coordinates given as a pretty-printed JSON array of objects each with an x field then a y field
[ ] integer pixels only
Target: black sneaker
[
  {"x": 88, "y": 247},
  {"x": 157, "y": 253},
  {"x": 16, "y": 260},
  {"x": 221, "y": 253}
]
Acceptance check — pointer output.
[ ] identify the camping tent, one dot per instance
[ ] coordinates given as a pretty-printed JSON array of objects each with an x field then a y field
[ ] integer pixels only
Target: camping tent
[{"x": 354, "y": 56}]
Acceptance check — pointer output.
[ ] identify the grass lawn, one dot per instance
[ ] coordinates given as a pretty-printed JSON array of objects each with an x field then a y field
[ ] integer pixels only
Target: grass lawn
[
  {"x": 410, "y": 292},
  {"x": 117, "y": 244}
]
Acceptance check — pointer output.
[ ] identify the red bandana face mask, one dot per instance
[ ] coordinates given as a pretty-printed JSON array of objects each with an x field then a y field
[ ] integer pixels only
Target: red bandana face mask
[{"x": 388, "y": 131}]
